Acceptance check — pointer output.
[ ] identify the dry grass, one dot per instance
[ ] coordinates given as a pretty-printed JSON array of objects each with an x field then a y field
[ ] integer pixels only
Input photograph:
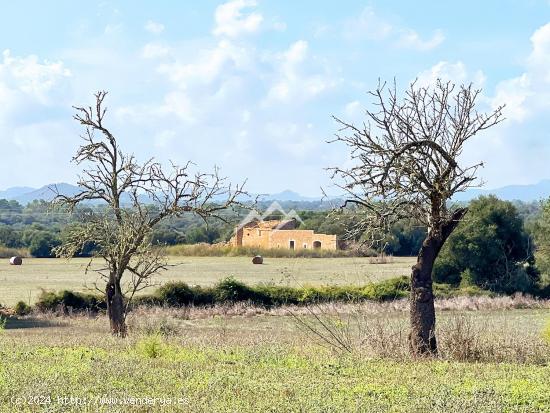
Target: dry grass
[
  {"x": 503, "y": 329},
  {"x": 247, "y": 359},
  {"x": 381, "y": 259},
  {"x": 227, "y": 250},
  {"x": 500, "y": 332},
  {"x": 26, "y": 281},
  {"x": 6, "y": 252}
]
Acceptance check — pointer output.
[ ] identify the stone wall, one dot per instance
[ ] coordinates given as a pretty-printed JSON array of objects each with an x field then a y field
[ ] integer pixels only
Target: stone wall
[
  {"x": 263, "y": 235},
  {"x": 302, "y": 239}
]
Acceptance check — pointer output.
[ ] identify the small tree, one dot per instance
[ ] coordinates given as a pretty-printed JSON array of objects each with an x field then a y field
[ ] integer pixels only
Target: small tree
[
  {"x": 405, "y": 166},
  {"x": 490, "y": 249},
  {"x": 137, "y": 197}
]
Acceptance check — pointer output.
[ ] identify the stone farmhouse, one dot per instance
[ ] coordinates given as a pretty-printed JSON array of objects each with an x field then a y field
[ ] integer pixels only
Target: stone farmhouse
[{"x": 280, "y": 234}]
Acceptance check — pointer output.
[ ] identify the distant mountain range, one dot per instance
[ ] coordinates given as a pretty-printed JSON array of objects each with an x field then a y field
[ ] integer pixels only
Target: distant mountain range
[
  {"x": 24, "y": 194},
  {"x": 526, "y": 193}
]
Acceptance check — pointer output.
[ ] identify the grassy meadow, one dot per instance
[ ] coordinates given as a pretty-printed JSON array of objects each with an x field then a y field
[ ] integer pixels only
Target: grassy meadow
[
  {"x": 332, "y": 357},
  {"x": 26, "y": 281},
  {"x": 247, "y": 359}
]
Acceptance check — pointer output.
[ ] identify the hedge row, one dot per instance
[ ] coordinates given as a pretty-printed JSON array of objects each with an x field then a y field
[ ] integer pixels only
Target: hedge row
[{"x": 229, "y": 290}]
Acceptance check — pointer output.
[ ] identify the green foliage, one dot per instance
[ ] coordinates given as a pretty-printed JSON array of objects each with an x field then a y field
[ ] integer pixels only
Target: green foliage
[
  {"x": 541, "y": 233},
  {"x": 405, "y": 239},
  {"x": 152, "y": 346},
  {"x": 22, "y": 308},
  {"x": 51, "y": 301},
  {"x": 231, "y": 290},
  {"x": 489, "y": 249},
  {"x": 42, "y": 244},
  {"x": 175, "y": 294}
]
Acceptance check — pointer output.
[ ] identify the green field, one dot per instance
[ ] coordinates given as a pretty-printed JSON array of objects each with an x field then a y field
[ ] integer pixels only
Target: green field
[
  {"x": 24, "y": 282},
  {"x": 258, "y": 360}
]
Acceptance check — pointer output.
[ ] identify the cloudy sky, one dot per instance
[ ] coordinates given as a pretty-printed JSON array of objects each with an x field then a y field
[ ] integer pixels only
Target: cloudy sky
[{"x": 250, "y": 85}]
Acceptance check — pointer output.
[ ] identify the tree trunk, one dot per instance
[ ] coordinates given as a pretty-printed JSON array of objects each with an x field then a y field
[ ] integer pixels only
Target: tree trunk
[
  {"x": 422, "y": 339},
  {"x": 115, "y": 307},
  {"x": 422, "y": 334}
]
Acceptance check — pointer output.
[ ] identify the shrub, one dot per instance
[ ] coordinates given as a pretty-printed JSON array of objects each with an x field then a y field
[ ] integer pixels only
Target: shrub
[
  {"x": 152, "y": 346},
  {"x": 51, "y": 301},
  {"x": 490, "y": 248},
  {"x": 274, "y": 295},
  {"x": 388, "y": 290},
  {"x": 175, "y": 294},
  {"x": 22, "y": 308},
  {"x": 231, "y": 290},
  {"x": 42, "y": 244},
  {"x": 446, "y": 271}
]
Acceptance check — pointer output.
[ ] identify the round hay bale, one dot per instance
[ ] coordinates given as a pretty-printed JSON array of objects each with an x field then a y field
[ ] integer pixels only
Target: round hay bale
[
  {"x": 16, "y": 260},
  {"x": 258, "y": 259}
]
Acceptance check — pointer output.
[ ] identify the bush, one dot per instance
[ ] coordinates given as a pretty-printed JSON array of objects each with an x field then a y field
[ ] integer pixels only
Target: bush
[
  {"x": 42, "y": 244},
  {"x": 152, "y": 346},
  {"x": 22, "y": 308},
  {"x": 231, "y": 290},
  {"x": 52, "y": 301},
  {"x": 388, "y": 290},
  {"x": 175, "y": 294},
  {"x": 490, "y": 248}
]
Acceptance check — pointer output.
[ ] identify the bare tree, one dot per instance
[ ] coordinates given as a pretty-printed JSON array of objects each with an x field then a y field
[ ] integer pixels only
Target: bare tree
[
  {"x": 405, "y": 165},
  {"x": 137, "y": 197}
]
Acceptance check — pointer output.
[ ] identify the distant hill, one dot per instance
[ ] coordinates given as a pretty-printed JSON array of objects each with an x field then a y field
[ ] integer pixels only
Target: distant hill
[
  {"x": 287, "y": 195},
  {"x": 47, "y": 193},
  {"x": 525, "y": 193},
  {"x": 15, "y": 191}
]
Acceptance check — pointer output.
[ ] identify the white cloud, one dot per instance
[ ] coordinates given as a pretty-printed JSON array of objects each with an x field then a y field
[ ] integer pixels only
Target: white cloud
[
  {"x": 232, "y": 22},
  {"x": 353, "y": 109},
  {"x": 154, "y": 27},
  {"x": 164, "y": 138},
  {"x": 294, "y": 81},
  {"x": 154, "y": 51},
  {"x": 410, "y": 39},
  {"x": 368, "y": 24},
  {"x": 208, "y": 66},
  {"x": 513, "y": 93},
  {"x": 454, "y": 72},
  {"x": 539, "y": 59},
  {"x": 528, "y": 94},
  {"x": 371, "y": 25},
  {"x": 28, "y": 76}
]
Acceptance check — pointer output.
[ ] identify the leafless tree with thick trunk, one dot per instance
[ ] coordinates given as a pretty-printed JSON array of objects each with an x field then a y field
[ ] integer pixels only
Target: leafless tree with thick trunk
[
  {"x": 137, "y": 197},
  {"x": 405, "y": 165}
]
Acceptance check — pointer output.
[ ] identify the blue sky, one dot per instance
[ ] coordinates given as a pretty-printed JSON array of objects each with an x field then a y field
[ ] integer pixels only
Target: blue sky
[{"x": 250, "y": 86}]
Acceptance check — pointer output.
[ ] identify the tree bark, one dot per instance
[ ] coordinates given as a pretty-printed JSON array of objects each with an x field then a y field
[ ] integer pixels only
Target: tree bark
[
  {"x": 115, "y": 307},
  {"x": 422, "y": 340},
  {"x": 422, "y": 312}
]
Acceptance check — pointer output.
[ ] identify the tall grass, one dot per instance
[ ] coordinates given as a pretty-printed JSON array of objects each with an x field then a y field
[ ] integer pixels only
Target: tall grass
[
  {"x": 6, "y": 252},
  {"x": 224, "y": 250},
  {"x": 460, "y": 336}
]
